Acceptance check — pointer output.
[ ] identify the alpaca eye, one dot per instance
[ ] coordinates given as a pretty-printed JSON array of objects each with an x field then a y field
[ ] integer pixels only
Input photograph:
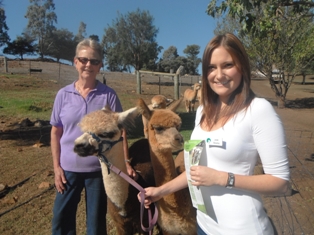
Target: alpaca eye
[
  {"x": 106, "y": 135},
  {"x": 158, "y": 129}
]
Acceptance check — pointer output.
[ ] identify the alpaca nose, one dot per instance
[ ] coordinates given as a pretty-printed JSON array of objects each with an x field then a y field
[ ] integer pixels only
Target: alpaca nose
[
  {"x": 179, "y": 138},
  {"x": 84, "y": 150}
]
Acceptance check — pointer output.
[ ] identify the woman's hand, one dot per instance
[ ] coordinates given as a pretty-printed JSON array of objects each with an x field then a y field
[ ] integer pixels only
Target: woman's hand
[
  {"x": 131, "y": 172},
  {"x": 152, "y": 194},
  {"x": 60, "y": 180},
  {"x": 205, "y": 176}
]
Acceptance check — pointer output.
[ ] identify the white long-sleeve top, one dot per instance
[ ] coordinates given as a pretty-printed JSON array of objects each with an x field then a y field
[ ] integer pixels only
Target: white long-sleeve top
[{"x": 257, "y": 131}]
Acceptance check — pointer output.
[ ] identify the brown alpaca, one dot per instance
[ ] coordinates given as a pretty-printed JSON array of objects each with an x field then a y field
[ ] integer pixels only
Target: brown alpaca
[
  {"x": 199, "y": 96},
  {"x": 176, "y": 213},
  {"x": 157, "y": 102},
  {"x": 190, "y": 97},
  {"x": 123, "y": 205}
]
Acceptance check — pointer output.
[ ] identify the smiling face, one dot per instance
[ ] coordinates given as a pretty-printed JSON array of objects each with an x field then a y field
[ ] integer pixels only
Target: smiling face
[
  {"x": 87, "y": 70},
  {"x": 223, "y": 76}
]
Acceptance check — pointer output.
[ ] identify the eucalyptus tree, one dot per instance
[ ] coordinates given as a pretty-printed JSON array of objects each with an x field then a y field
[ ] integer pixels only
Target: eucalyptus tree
[
  {"x": 275, "y": 34},
  {"x": 21, "y": 46},
  {"x": 81, "y": 33},
  {"x": 4, "y": 37},
  {"x": 171, "y": 60},
  {"x": 94, "y": 37},
  {"x": 41, "y": 18},
  {"x": 168, "y": 61},
  {"x": 131, "y": 42},
  {"x": 62, "y": 45},
  {"x": 193, "y": 61}
]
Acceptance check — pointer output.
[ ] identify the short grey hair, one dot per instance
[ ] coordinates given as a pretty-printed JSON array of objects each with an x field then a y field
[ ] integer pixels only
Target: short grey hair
[{"x": 88, "y": 42}]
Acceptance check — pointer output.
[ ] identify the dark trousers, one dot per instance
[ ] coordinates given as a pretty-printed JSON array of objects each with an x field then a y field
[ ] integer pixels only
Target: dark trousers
[
  {"x": 200, "y": 231},
  {"x": 65, "y": 205}
]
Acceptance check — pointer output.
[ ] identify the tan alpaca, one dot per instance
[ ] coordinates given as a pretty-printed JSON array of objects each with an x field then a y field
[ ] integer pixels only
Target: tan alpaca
[
  {"x": 157, "y": 102},
  {"x": 199, "y": 96},
  {"x": 190, "y": 97},
  {"x": 176, "y": 213},
  {"x": 123, "y": 205}
]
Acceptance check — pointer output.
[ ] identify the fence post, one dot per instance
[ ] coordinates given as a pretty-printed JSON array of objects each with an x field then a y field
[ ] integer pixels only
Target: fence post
[
  {"x": 5, "y": 64},
  {"x": 176, "y": 86},
  {"x": 138, "y": 81},
  {"x": 176, "y": 82},
  {"x": 159, "y": 85}
]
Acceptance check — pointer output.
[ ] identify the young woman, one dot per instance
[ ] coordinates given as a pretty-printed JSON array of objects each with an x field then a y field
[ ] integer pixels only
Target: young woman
[{"x": 246, "y": 128}]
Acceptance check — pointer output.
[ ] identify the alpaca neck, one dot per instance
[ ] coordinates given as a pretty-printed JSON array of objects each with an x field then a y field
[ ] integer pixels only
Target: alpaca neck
[
  {"x": 194, "y": 94},
  {"x": 164, "y": 171},
  {"x": 117, "y": 188},
  {"x": 163, "y": 165}
]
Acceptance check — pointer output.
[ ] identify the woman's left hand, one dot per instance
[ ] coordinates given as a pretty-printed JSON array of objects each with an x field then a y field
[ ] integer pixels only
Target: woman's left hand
[{"x": 204, "y": 176}]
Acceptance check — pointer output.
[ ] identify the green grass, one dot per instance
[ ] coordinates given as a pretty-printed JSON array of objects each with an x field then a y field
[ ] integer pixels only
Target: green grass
[{"x": 24, "y": 96}]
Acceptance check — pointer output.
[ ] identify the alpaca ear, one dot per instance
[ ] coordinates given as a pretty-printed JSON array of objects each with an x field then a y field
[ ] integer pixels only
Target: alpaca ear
[
  {"x": 169, "y": 101},
  {"x": 175, "y": 105},
  {"x": 107, "y": 107},
  {"x": 144, "y": 109},
  {"x": 128, "y": 117}
]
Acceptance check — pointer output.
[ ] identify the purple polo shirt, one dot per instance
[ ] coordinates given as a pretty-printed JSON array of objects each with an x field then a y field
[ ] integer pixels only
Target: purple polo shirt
[{"x": 68, "y": 109}]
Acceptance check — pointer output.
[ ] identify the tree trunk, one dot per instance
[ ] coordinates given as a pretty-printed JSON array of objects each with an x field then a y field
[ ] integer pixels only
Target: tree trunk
[
  {"x": 303, "y": 80},
  {"x": 281, "y": 103}
]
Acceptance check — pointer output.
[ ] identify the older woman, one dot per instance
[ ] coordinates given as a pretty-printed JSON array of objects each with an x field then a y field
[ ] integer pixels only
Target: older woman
[{"x": 74, "y": 173}]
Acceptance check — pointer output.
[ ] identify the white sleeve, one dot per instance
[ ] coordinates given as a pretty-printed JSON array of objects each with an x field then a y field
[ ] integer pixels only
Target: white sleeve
[{"x": 269, "y": 138}]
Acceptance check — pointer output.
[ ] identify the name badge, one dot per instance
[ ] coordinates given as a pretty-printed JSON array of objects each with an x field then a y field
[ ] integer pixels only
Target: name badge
[{"x": 216, "y": 142}]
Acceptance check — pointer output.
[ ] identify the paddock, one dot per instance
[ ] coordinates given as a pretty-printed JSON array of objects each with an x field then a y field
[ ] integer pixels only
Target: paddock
[{"x": 293, "y": 214}]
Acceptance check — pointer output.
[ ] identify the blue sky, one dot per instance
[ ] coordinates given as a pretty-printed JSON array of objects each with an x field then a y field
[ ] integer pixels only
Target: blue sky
[{"x": 180, "y": 22}]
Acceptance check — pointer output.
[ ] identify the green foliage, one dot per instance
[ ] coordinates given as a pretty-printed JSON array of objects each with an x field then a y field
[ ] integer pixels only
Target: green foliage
[
  {"x": 94, "y": 37},
  {"x": 245, "y": 12},
  {"x": 81, "y": 33},
  {"x": 130, "y": 41},
  {"x": 20, "y": 46},
  {"x": 172, "y": 60},
  {"x": 41, "y": 17},
  {"x": 277, "y": 35},
  {"x": 4, "y": 37},
  {"x": 169, "y": 60},
  {"x": 62, "y": 45},
  {"x": 191, "y": 52}
]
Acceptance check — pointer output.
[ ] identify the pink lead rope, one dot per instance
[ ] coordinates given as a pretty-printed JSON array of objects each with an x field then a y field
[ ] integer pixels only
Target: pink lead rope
[
  {"x": 110, "y": 166},
  {"x": 152, "y": 220}
]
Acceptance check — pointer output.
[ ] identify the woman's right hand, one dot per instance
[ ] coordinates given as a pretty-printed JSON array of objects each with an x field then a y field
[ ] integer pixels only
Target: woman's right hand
[
  {"x": 60, "y": 180},
  {"x": 152, "y": 194}
]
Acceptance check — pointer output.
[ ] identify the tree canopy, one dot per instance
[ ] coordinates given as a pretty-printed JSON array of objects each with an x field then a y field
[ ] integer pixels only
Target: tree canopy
[
  {"x": 41, "y": 18},
  {"x": 245, "y": 11},
  {"x": 277, "y": 34},
  {"x": 4, "y": 37},
  {"x": 171, "y": 60},
  {"x": 62, "y": 45},
  {"x": 22, "y": 45},
  {"x": 131, "y": 42}
]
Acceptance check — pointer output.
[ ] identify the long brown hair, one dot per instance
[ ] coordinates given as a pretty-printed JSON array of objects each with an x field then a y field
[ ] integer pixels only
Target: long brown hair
[{"x": 241, "y": 98}]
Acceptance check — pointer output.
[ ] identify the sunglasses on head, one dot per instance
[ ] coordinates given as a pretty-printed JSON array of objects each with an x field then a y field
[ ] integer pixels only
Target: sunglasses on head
[{"x": 84, "y": 60}]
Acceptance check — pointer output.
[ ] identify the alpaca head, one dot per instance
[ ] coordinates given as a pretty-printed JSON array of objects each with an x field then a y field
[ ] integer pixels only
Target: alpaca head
[
  {"x": 102, "y": 128},
  {"x": 159, "y": 102},
  {"x": 163, "y": 127},
  {"x": 196, "y": 86}
]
